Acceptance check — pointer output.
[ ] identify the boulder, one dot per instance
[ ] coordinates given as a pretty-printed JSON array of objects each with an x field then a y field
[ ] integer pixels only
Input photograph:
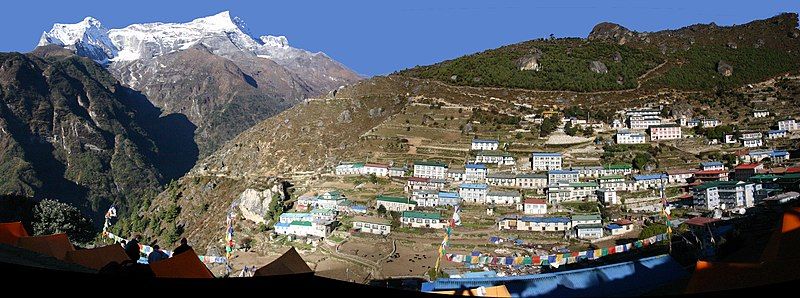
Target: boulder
[
  {"x": 724, "y": 68},
  {"x": 617, "y": 57},
  {"x": 375, "y": 112},
  {"x": 344, "y": 117},
  {"x": 530, "y": 61},
  {"x": 254, "y": 204},
  {"x": 732, "y": 45},
  {"x": 598, "y": 67},
  {"x": 611, "y": 32}
]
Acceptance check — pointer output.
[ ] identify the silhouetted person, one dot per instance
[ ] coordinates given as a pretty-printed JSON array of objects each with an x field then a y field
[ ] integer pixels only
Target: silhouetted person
[
  {"x": 182, "y": 248},
  {"x": 132, "y": 248},
  {"x": 156, "y": 255}
]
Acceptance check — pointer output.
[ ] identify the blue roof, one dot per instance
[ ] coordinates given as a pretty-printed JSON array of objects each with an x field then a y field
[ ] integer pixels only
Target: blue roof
[
  {"x": 771, "y": 153},
  {"x": 561, "y": 172},
  {"x": 358, "y": 207},
  {"x": 474, "y": 185},
  {"x": 613, "y": 226},
  {"x": 711, "y": 164},
  {"x": 295, "y": 215},
  {"x": 776, "y": 131},
  {"x": 633, "y": 278},
  {"x": 480, "y": 274},
  {"x": 649, "y": 177},
  {"x": 475, "y": 166},
  {"x": 448, "y": 195},
  {"x": 282, "y": 225},
  {"x": 545, "y": 219},
  {"x": 484, "y": 141},
  {"x": 552, "y": 154}
]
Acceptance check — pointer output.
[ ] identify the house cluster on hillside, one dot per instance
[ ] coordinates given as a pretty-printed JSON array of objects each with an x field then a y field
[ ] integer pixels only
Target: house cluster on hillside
[
  {"x": 322, "y": 212},
  {"x": 582, "y": 226}
]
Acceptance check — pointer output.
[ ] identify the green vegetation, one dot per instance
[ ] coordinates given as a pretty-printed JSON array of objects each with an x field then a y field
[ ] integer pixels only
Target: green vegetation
[
  {"x": 714, "y": 133},
  {"x": 564, "y": 62},
  {"x": 53, "y": 217},
  {"x": 549, "y": 125},
  {"x": 582, "y": 207},
  {"x": 652, "y": 230}
]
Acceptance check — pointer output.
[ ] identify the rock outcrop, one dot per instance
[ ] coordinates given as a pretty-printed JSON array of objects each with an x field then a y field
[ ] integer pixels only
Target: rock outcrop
[
  {"x": 598, "y": 67},
  {"x": 724, "y": 68}
]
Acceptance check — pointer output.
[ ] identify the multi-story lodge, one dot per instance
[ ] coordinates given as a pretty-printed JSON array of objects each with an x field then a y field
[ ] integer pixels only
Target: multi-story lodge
[
  {"x": 776, "y": 156},
  {"x": 349, "y": 169},
  {"x": 607, "y": 196},
  {"x": 546, "y": 161},
  {"x": 617, "y": 169},
  {"x": 725, "y": 194},
  {"x": 530, "y": 223},
  {"x": 372, "y": 225},
  {"x": 680, "y": 176},
  {"x": 417, "y": 183},
  {"x": 475, "y": 172},
  {"x": 629, "y": 137},
  {"x": 501, "y": 179},
  {"x": 495, "y": 157},
  {"x": 588, "y": 171},
  {"x": 643, "y": 122},
  {"x": 759, "y": 113},
  {"x": 641, "y": 182},
  {"x": 614, "y": 182},
  {"x": 456, "y": 174},
  {"x": 417, "y": 219},
  {"x": 776, "y": 134},
  {"x": 531, "y": 181},
  {"x": 430, "y": 169},
  {"x": 534, "y": 207},
  {"x": 665, "y": 132},
  {"x": 562, "y": 192},
  {"x": 556, "y": 176},
  {"x": 711, "y": 165},
  {"x": 510, "y": 198},
  {"x": 473, "y": 192},
  {"x": 380, "y": 170},
  {"x": 479, "y": 144},
  {"x": 395, "y": 203},
  {"x": 789, "y": 125}
]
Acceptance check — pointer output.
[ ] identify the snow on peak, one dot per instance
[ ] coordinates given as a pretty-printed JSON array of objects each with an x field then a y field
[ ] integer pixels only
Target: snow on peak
[{"x": 143, "y": 41}]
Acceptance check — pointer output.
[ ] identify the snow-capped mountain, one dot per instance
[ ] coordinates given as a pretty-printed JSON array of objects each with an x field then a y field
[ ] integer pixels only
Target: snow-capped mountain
[{"x": 211, "y": 69}]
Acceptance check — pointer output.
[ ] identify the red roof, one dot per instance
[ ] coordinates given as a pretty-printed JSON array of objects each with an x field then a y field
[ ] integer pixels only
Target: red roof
[
  {"x": 700, "y": 221},
  {"x": 419, "y": 179},
  {"x": 680, "y": 171},
  {"x": 792, "y": 170},
  {"x": 747, "y": 166},
  {"x": 535, "y": 201},
  {"x": 623, "y": 222},
  {"x": 710, "y": 172},
  {"x": 777, "y": 171}
]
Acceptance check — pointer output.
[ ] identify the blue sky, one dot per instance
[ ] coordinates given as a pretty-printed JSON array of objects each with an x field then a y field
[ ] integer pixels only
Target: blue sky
[{"x": 378, "y": 37}]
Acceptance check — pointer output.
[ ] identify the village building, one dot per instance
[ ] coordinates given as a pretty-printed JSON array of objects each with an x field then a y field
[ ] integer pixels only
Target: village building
[
  {"x": 607, "y": 196},
  {"x": 759, "y": 113},
  {"x": 616, "y": 124},
  {"x": 613, "y": 182},
  {"x": 349, "y": 169},
  {"x": 531, "y": 181},
  {"x": 665, "y": 132},
  {"x": 289, "y": 217},
  {"x": 395, "y": 203},
  {"x": 709, "y": 123},
  {"x": 711, "y": 175},
  {"x": 617, "y": 169},
  {"x": 323, "y": 214},
  {"x": 730, "y": 139},
  {"x": 501, "y": 179},
  {"x": 304, "y": 228},
  {"x": 643, "y": 112},
  {"x": 556, "y": 176},
  {"x": 426, "y": 197},
  {"x": 417, "y": 183},
  {"x": 744, "y": 171},
  {"x": 507, "y": 222},
  {"x": 546, "y": 161},
  {"x": 430, "y": 169},
  {"x": 641, "y": 182},
  {"x": 629, "y": 137},
  {"x": 509, "y": 198},
  {"x": 588, "y": 171},
  {"x": 620, "y": 227},
  {"x": 776, "y": 134},
  {"x": 643, "y": 122},
  {"x": 479, "y": 144},
  {"x": 725, "y": 194},
  {"x": 534, "y": 207},
  {"x": 543, "y": 224},
  {"x": 328, "y": 200},
  {"x": 752, "y": 143},
  {"x": 592, "y": 231},
  {"x": 680, "y": 176},
  {"x": 495, "y": 157},
  {"x": 693, "y": 123},
  {"x": 398, "y": 171},
  {"x": 456, "y": 175},
  {"x": 380, "y": 170},
  {"x": 475, "y": 172},
  {"x": 473, "y": 192},
  {"x": 417, "y": 219},
  {"x": 447, "y": 198},
  {"x": 586, "y": 219},
  {"x": 372, "y": 225},
  {"x": 562, "y": 192},
  {"x": 776, "y": 156},
  {"x": 706, "y": 196},
  {"x": 711, "y": 165},
  {"x": 788, "y": 125}
]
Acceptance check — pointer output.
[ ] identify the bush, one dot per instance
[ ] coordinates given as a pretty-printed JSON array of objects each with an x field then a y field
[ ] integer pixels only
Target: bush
[{"x": 53, "y": 217}]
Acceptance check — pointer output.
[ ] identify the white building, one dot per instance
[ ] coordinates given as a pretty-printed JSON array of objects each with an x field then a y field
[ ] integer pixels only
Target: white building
[
  {"x": 304, "y": 228},
  {"x": 475, "y": 172},
  {"x": 349, "y": 169},
  {"x": 556, "y": 176},
  {"x": 473, "y": 192},
  {"x": 607, "y": 196},
  {"x": 679, "y": 176},
  {"x": 588, "y": 171},
  {"x": 395, "y": 203},
  {"x": 709, "y": 122},
  {"x": 426, "y": 197},
  {"x": 417, "y": 219},
  {"x": 535, "y": 224},
  {"x": 372, "y": 225},
  {"x": 788, "y": 125},
  {"x": 628, "y": 137},
  {"x": 508, "y": 198},
  {"x": 478, "y": 144},
  {"x": 776, "y": 156},
  {"x": 665, "y": 132},
  {"x": 643, "y": 112},
  {"x": 430, "y": 169},
  {"x": 776, "y": 134},
  {"x": 495, "y": 157},
  {"x": 612, "y": 182},
  {"x": 593, "y": 231},
  {"x": 531, "y": 181},
  {"x": 706, "y": 196},
  {"x": 648, "y": 181},
  {"x": 752, "y": 143},
  {"x": 534, "y": 207},
  {"x": 546, "y": 161},
  {"x": 417, "y": 183},
  {"x": 501, "y": 179},
  {"x": 397, "y": 171},
  {"x": 711, "y": 166},
  {"x": 563, "y": 192},
  {"x": 643, "y": 122},
  {"x": 760, "y": 113},
  {"x": 379, "y": 170},
  {"x": 456, "y": 175}
]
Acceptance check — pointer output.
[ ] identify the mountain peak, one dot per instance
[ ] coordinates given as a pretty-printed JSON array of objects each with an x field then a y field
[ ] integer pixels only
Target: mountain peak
[{"x": 221, "y": 21}]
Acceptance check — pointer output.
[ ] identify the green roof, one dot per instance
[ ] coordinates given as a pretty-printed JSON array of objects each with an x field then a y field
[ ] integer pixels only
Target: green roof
[
  {"x": 301, "y": 223},
  {"x": 583, "y": 184},
  {"x": 583, "y": 217},
  {"x": 492, "y": 153},
  {"x": 609, "y": 177},
  {"x": 430, "y": 163},
  {"x": 423, "y": 215},
  {"x": 618, "y": 167},
  {"x": 711, "y": 184},
  {"x": 322, "y": 211},
  {"x": 396, "y": 199},
  {"x": 373, "y": 220}
]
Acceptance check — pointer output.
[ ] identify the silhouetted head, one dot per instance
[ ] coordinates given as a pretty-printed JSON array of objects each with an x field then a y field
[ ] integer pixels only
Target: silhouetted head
[
  {"x": 184, "y": 241},
  {"x": 156, "y": 247}
]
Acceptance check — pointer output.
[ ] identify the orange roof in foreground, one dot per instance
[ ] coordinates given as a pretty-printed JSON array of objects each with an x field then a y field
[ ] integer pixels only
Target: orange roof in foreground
[
  {"x": 496, "y": 291},
  {"x": 289, "y": 263},
  {"x": 56, "y": 245},
  {"x": 98, "y": 257},
  {"x": 183, "y": 265},
  {"x": 10, "y": 232},
  {"x": 700, "y": 221}
]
